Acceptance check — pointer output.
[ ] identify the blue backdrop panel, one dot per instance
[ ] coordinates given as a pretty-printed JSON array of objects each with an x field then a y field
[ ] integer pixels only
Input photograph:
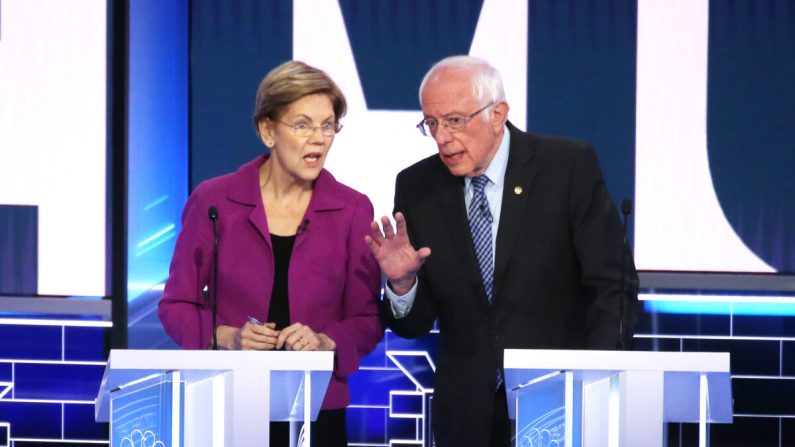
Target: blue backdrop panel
[
  {"x": 32, "y": 420},
  {"x": 233, "y": 45},
  {"x": 19, "y": 244},
  {"x": 581, "y": 80},
  {"x": 50, "y": 398},
  {"x": 56, "y": 381},
  {"x": 747, "y": 356},
  {"x": 750, "y": 111},
  {"x": 429, "y": 343},
  {"x": 395, "y": 42},
  {"x": 78, "y": 421},
  {"x": 158, "y": 99},
  {"x": 84, "y": 343},
  {"x": 30, "y": 342},
  {"x": 367, "y": 425},
  {"x": 371, "y": 386},
  {"x": 157, "y": 155}
]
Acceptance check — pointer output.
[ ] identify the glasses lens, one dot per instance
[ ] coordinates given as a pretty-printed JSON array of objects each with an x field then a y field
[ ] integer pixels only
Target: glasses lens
[
  {"x": 456, "y": 122},
  {"x": 329, "y": 129},
  {"x": 429, "y": 127}
]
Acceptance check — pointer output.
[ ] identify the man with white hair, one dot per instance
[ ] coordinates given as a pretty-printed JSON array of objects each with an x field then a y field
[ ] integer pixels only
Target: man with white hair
[{"x": 519, "y": 246}]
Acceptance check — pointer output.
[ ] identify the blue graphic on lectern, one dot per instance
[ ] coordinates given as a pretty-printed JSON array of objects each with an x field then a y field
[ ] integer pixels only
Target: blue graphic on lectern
[
  {"x": 142, "y": 413},
  {"x": 541, "y": 412}
]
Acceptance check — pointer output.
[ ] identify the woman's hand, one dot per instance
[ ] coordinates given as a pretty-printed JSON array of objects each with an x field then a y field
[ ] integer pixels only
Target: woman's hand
[
  {"x": 261, "y": 337},
  {"x": 299, "y": 337}
]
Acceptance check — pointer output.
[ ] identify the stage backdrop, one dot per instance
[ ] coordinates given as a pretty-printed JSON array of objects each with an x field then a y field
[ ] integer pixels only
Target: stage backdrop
[{"x": 686, "y": 103}]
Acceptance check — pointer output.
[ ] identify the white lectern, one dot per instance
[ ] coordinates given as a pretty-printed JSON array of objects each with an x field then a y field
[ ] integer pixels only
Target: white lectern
[
  {"x": 613, "y": 398},
  {"x": 208, "y": 398}
]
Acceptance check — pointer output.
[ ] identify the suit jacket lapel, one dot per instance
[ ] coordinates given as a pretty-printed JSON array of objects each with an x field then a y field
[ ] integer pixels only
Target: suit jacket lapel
[
  {"x": 452, "y": 205},
  {"x": 518, "y": 181}
]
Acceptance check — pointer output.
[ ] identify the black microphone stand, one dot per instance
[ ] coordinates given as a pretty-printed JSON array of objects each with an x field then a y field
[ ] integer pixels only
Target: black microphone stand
[
  {"x": 213, "y": 212},
  {"x": 626, "y": 207}
]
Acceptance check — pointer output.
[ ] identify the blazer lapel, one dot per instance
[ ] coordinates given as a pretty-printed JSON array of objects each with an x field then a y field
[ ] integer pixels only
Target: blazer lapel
[
  {"x": 325, "y": 198},
  {"x": 245, "y": 191},
  {"x": 452, "y": 205},
  {"x": 518, "y": 181}
]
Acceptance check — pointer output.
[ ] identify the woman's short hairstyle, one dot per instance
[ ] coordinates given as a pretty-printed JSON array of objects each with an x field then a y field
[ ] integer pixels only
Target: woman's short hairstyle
[{"x": 290, "y": 82}]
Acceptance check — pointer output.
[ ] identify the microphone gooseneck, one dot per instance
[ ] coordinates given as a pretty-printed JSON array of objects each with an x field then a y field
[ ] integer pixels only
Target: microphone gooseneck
[
  {"x": 212, "y": 213},
  {"x": 626, "y": 208}
]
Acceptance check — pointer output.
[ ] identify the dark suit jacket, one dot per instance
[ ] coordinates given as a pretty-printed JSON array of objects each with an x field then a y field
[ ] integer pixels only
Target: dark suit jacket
[{"x": 557, "y": 272}]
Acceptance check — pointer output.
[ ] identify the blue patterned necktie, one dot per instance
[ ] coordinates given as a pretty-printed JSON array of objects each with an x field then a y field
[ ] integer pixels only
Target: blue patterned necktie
[{"x": 480, "y": 220}]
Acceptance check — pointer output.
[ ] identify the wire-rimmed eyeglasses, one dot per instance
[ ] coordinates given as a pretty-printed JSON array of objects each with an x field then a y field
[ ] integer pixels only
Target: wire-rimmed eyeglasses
[
  {"x": 453, "y": 123},
  {"x": 304, "y": 130}
]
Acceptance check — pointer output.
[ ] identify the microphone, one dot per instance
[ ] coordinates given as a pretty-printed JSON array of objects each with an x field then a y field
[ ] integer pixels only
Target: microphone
[
  {"x": 303, "y": 227},
  {"x": 212, "y": 213},
  {"x": 626, "y": 208},
  {"x": 484, "y": 212}
]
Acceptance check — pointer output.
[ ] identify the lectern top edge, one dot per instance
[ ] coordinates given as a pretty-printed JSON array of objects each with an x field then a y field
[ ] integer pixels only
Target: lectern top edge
[
  {"x": 711, "y": 362},
  {"x": 196, "y": 360}
]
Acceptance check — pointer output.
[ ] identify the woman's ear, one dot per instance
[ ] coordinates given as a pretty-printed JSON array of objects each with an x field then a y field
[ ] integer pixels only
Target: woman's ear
[{"x": 266, "y": 133}]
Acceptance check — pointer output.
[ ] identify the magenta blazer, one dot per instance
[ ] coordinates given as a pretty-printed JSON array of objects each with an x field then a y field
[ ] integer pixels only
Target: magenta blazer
[{"x": 333, "y": 279}]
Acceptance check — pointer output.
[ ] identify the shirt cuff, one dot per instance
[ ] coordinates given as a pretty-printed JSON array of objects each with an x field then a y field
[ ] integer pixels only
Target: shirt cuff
[{"x": 401, "y": 305}]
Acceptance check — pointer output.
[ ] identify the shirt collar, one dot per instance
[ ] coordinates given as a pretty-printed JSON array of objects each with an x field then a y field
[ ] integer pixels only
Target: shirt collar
[{"x": 499, "y": 164}]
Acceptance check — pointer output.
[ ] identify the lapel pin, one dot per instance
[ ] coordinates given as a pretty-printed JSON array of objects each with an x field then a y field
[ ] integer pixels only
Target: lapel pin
[{"x": 517, "y": 190}]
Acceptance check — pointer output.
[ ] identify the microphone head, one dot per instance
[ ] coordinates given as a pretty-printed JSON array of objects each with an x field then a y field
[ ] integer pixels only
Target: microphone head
[
  {"x": 212, "y": 212},
  {"x": 626, "y": 206}
]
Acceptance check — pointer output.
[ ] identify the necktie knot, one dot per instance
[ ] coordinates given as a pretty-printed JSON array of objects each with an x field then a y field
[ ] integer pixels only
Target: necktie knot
[{"x": 479, "y": 183}]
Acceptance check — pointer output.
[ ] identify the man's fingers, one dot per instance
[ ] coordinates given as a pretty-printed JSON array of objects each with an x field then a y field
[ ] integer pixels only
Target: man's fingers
[
  {"x": 400, "y": 219},
  {"x": 370, "y": 242},
  {"x": 400, "y": 225},
  {"x": 423, "y": 253},
  {"x": 375, "y": 233},
  {"x": 388, "y": 231}
]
